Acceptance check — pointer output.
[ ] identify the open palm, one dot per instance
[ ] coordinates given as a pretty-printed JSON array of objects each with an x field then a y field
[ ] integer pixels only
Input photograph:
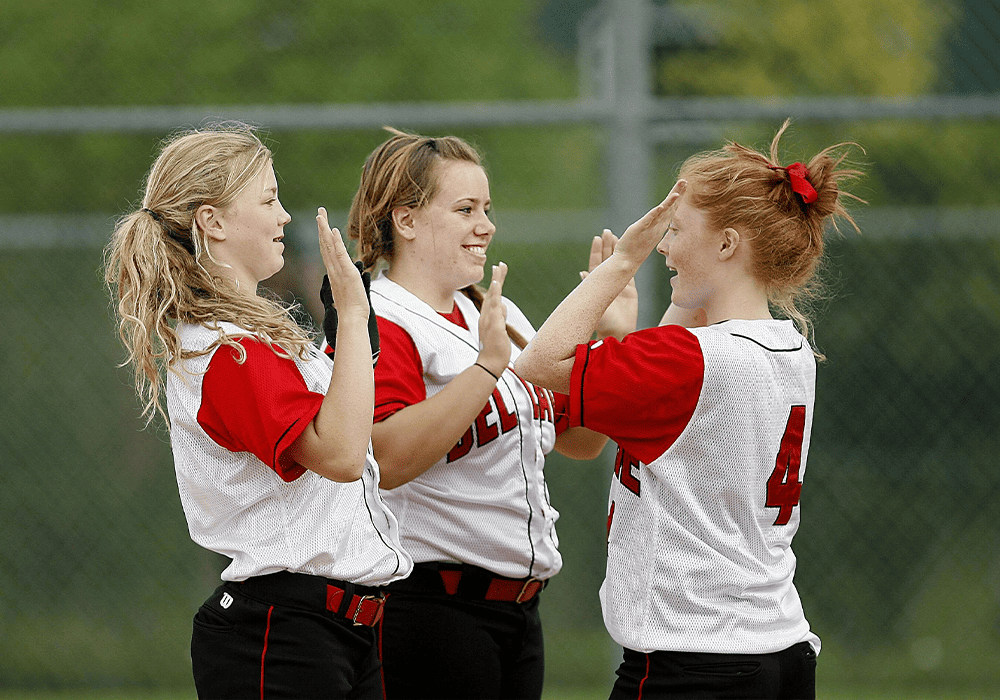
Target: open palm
[{"x": 621, "y": 316}]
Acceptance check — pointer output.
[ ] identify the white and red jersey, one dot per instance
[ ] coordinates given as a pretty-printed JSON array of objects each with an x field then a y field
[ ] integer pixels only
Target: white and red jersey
[
  {"x": 230, "y": 427},
  {"x": 485, "y": 503},
  {"x": 713, "y": 427}
]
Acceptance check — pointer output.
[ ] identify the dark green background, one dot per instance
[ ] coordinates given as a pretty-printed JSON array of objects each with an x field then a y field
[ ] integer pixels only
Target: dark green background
[{"x": 898, "y": 564}]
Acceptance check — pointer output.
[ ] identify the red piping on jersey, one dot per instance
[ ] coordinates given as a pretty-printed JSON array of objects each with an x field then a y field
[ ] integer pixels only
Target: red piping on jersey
[
  {"x": 267, "y": 632},
  {"x": 643, "y": 681},
  {"x": 381, "y": 666},
  {"x": 576, "y": 398}
]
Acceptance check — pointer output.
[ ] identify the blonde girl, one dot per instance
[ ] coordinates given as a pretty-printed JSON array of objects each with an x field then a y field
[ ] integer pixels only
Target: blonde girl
[{"x": 271, "y": 442}]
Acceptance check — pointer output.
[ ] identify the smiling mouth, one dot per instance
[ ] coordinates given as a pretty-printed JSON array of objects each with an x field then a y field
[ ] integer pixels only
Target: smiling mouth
[
  {"x": 279, "y": 239},
  {"x": 477, "y": 249}
]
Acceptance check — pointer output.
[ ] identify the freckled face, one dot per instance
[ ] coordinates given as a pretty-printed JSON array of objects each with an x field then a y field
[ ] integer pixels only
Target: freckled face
[
  {"x": 454, "y": 229},
  {"x": 690, "y": 247}
]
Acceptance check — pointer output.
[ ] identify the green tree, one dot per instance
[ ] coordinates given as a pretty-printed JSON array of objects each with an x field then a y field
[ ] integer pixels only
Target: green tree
[
  {"x": 95, "y": 53},
  {"x": 808, "y": 47},
  {"x": 896, "y": 48}
]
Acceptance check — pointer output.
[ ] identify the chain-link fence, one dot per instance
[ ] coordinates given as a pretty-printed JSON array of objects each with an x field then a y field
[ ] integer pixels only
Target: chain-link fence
[{"x": 898, "y": 567}]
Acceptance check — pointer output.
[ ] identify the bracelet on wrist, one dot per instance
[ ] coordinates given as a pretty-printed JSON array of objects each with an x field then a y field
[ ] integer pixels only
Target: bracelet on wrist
[{"x": 477, "y": 364}]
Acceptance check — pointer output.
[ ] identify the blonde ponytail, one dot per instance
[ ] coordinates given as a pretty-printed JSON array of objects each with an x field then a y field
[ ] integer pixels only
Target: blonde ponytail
[{"x": 153, "y": 262}]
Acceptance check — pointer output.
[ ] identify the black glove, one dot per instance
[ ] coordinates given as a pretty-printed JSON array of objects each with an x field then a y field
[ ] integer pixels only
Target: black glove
[{"x": 330, "y": 316}]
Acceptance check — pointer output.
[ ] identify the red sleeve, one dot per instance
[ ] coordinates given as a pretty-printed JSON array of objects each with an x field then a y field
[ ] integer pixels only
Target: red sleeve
[
  {"x": 399, "y": 374},
  {"x": 260, "y": 406},
  {"x": 640, "y": 392}
]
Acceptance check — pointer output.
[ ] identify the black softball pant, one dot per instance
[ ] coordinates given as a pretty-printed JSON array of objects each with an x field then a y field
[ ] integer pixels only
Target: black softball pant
[
  {"x": 273, "y": 646},
  {"x": 783, "y": 675},
  {"x": 440, "y": 646}
]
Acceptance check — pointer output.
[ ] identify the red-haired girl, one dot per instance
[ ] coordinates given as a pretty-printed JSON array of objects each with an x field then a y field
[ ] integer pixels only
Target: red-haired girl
[{"x": 712, "y": 413}]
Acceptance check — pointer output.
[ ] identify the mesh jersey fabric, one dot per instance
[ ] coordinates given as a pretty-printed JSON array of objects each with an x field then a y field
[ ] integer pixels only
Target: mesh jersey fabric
[
  {"x": 486, "y": 502},
  {"x": 696, "y": 561},
  {"x": 238, "y": 505}
]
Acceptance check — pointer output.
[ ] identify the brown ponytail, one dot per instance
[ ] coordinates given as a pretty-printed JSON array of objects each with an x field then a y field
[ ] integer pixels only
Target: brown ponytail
[{"x": 401, "y": 173}]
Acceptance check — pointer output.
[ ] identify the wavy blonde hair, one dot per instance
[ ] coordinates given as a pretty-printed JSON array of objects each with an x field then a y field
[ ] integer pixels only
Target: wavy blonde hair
[
  {"x": 153, "y": 263},
  {"x": 741, "y": 188}
]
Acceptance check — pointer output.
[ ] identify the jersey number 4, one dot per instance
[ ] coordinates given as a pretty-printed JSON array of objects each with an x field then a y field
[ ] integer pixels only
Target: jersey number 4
[{"x": 784, "y": 487}]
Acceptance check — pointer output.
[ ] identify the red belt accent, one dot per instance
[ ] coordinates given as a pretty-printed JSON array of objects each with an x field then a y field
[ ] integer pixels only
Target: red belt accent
[
  {"x": 513, "y": 590},
  {"x": 510, "y": 590},
  {"x": 450, "y": 578},
  {"x": 362, "y": 610}
]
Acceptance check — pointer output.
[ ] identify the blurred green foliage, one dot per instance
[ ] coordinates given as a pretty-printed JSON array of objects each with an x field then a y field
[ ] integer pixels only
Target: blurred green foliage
[
  {"x": 894, "y": 48},
  {"x": 96, "y": 53},
  {"x": 128, "y": 52},
  {"x": 809, "y": 47},
  {"x": 898, "y": 567}
]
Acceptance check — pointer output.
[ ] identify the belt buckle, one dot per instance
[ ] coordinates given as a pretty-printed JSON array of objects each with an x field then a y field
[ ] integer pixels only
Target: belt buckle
[
  {"x": 357, "y": 610},
  {"x": 525, "y": 588}
]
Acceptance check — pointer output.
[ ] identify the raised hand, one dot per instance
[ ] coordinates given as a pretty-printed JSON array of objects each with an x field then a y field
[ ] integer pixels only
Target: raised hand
[
  {"x": 641, "y": 238},
  {"x": 346, "y": 287},
  {"x": 495, "y": 352},
  {"x": 623, "y": 313}
]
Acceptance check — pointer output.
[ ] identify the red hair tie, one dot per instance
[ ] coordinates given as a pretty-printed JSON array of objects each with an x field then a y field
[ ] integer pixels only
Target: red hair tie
[{"x": 798, "y": 175}]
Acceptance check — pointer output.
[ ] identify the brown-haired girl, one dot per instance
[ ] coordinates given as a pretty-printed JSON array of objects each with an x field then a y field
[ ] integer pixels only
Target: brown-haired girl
[
  {"x": 271, "y": 444},
  {"x": 460, "y": 438},
  {"x": 712, "y": 423}
]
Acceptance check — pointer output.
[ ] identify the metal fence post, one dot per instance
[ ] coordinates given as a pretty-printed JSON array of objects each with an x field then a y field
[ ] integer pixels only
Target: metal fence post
[
  {"x": 628, "y": 144},
  {"x": 629, "y": 159}
]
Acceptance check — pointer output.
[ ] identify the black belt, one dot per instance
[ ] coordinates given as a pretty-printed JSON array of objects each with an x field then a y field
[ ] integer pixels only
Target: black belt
[
  {"x": 361, "y": 605},
  {"x": 467, "y": 581}
]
